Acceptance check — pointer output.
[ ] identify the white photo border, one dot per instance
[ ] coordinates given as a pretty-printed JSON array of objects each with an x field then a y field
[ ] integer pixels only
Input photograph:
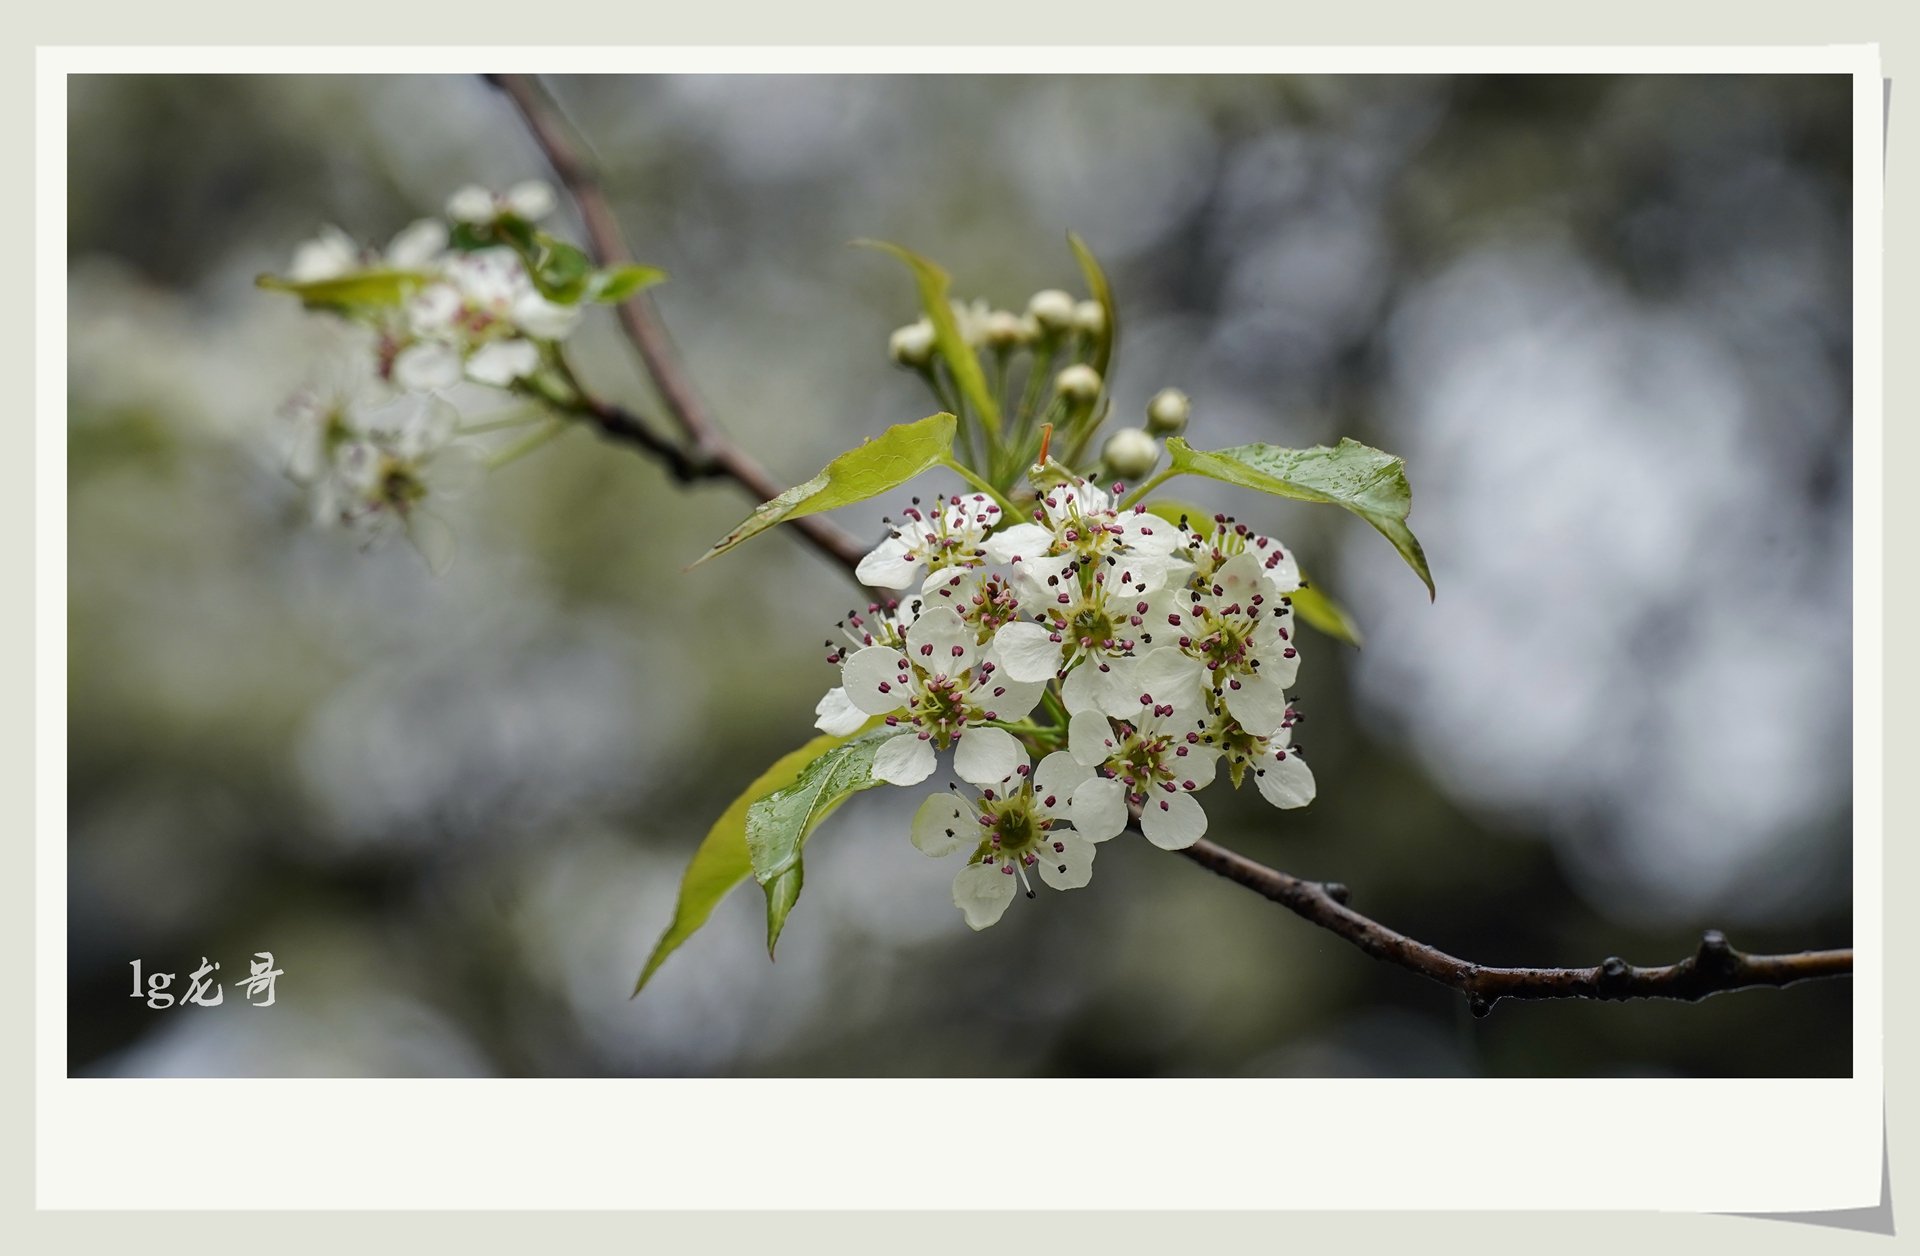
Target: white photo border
[{"x": 1723, "y": 1145}]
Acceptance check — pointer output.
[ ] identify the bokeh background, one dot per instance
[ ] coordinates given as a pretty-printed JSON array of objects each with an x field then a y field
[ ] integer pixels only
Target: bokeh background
[{"x": 1605, "y": 320}]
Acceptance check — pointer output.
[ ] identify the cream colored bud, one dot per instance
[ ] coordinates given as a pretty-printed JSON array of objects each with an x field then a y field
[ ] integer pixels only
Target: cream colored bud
[
  {"x": 471, "y": 204},
  {"x": 1131, "y": 454},
  {"x": 1167, "y": 412},
  {"x": 1053, "y": 308},
  {"x": 1090, "y": 318},
  {"x": 1007, "y": 330},
  {"x": 912, "y": 345},
  {"x": 532, "y": 200},
  {"x": 1079, "y": 384}
]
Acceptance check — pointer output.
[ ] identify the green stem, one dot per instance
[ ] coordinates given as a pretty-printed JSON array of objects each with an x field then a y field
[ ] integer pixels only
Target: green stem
[
  {"x": 526, "y": 415},
  {"x": 1055, "y": 707},
  {"x": 1140, "y": 493},
  {"x": 527, "y": 444},
  {"x": 954, "y": 465}
]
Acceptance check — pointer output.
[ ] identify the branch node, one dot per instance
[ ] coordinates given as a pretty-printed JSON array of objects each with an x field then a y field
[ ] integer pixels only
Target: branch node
[
  {"x": 1337, "y": 891},
  {"x": 1615, "y": 975},
  {"x": 1716, "y": 955},
  {"x": 1480, "y": 1005}
]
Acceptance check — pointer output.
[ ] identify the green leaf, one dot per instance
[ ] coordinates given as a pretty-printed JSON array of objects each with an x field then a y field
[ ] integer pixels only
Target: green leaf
[
  {"x": 364, "y": 290},
  {"x": 900, "y": 453},
  {"x": 616, "y": 283},
  {"x": 961, "y": 359},
  {"x": 1312, "y": 604},
  {"x": 722, "y": 861},
  {"x": 779, "y": 824},
  {"x": 782, "y": 893},
  {"x": 1103, "y": 293},
  {"x": 559, "y": 270},
  {"x": 1366, "y": 481}
]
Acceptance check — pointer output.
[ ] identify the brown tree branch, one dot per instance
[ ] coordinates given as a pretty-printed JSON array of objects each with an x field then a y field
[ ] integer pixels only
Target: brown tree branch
[
  {"x": 708, "y": 453},
  {"x": 1714, "y": 967}
]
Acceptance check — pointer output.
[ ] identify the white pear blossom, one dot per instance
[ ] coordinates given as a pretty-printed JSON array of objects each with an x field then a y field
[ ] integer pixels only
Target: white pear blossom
[
  {"x": 380, "y": 465},
  {"x": 1210, "y": 548},
  {"x": 989, "y": 602},
  {"x": 328, "y": 256},
  {"x": 531, "y": 200},
  {"x": 1020, "y": 824},
  {"x": 1280, "y": 773},
  {"x": 1080, "y": 518},
  {"x": 1233, "y": 625},
  {"x": 418, "y": 246},
  {"x": 1154, "y": 763},
  {"x": 1093, "y": 621},
  {"x": 953, "y": 536},
  {"x": 943, "y": 689},
  {"x": 472, "y": 322},
  {"x": 880, "y": 626},
  {"x": 972, "y": 319}
]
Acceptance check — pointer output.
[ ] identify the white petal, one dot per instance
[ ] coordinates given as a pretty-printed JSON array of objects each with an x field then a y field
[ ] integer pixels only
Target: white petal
[
  {"x": 503, "y": 361},
  {"x": 1099, "y": 810},
  {"x": 1117, "y": 689},
  {"x": 869, "y": 669},
  {"x": 941, "y": 642},
  {"x": 1071, "y": 865},
  {"x": 889, "y": 566},
  {"x": 456, "y": 471},
  {"x": 1022, "y": 540},
  {"x": 1240, "y": 578},
  {"x": 943, "y": 825},
  {"x": 1057, "y": 777},
  {"x": 982, "y": 892},
  {"x": 434, "y": 538},
  {"x": 330, "y": 256},
  {"x": 1026, "y": 653},
  {"x": 1285, "y": 781},
  {"x": 1173, "y": 821},
  {"x": 988, "y": 756},
  {"x": 434, "y": 309},
  {"x": 1007, "y": 698},
  {"x": 1091, "y": 739},
  {"x": 1277, "y": 565},
  {"x": 903, "y": 760},
  {"x": 1259, "y": 704},
  {"x": 542, "y": 319},
  {"x": 1170, "y": 676},
  {"x": 838, "y": 715},
  {"x": 417, "y": 244},
  {"x": 1082, "y": 690},
  {"x": 421, "y": 367}
]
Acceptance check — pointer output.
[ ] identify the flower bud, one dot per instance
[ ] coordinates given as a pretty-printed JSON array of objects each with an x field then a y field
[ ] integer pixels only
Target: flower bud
[
  {"x": 1090, "y": 318},
  {"x": 1053, "y": 308},
  {"x": 1131, "y": 454},
  {"x": 1079, "y": 384},
  {"x": 1167, "y": 412},
  {"x": 912, "y": 345},
  {"x": 471, "y": 203},
  {"x": 1007, "y": 330},
  {"x": 532, "y": 200}
]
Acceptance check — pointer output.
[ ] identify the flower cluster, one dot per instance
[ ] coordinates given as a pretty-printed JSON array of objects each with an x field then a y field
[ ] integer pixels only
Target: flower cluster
[
  {"x": 1132, "y": 651},
  {"x": 449, "y": 301}
]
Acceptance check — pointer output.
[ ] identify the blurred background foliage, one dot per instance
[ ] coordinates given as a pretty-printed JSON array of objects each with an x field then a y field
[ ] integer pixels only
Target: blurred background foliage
[{"x": 1606, "y": 320}]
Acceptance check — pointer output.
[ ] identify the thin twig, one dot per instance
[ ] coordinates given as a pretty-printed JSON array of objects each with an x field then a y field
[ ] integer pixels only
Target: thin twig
[
  {"x": 709, "y": 452},
  {"x": 1713, "y": 968}
]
